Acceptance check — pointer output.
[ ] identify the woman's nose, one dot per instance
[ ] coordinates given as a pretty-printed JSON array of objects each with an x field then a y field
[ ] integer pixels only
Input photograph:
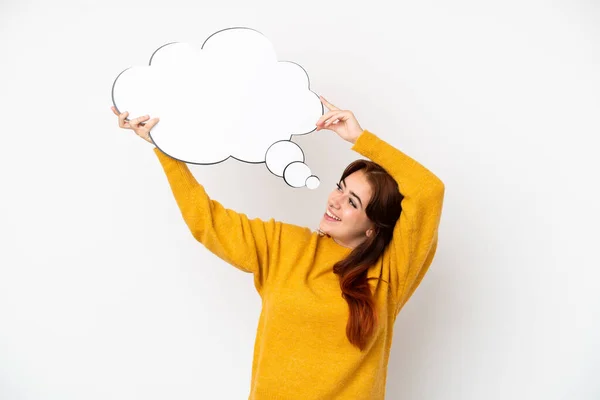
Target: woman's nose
[{"x": 336, "y": 200}]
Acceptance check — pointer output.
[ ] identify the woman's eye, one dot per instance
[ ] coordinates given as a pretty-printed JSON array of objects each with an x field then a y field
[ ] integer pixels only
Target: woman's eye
[
  {"x": 338, "y": 186},
  {"x": 353, "y": 205}
]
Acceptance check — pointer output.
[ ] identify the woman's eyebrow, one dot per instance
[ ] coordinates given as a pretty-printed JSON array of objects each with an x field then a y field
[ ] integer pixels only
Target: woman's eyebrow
[{"x": 352, "y": 193}]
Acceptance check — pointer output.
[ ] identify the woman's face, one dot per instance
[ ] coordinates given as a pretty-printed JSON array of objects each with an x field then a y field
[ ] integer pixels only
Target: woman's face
[{"x": 347, "y": 203}]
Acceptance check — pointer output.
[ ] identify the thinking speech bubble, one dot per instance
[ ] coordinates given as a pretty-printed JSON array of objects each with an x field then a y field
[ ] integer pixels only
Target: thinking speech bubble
[{"x": 231, "y": 99}]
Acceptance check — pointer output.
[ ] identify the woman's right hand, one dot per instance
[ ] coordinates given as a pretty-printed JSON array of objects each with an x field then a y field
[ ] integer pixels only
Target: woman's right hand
[{"x": 141, "y": 128}]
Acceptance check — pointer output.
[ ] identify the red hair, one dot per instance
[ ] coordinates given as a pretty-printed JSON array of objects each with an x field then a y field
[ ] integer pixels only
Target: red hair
[{"x": 383, "y": 210}]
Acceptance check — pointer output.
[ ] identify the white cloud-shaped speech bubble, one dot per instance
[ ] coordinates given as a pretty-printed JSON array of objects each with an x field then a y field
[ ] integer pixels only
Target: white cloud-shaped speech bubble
[{"x": 230, "y": 99}]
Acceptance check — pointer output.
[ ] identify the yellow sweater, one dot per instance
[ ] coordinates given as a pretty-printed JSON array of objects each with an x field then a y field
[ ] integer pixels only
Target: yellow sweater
[{"x": 301, "y": 349}]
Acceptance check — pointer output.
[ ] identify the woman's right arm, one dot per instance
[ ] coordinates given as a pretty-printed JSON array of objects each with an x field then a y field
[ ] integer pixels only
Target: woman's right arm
[
  {"x": 233, "y": 237},
  {"x": 249, "y": 245}
]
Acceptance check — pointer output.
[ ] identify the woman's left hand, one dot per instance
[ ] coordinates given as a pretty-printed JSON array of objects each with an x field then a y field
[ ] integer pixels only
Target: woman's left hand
[{"x": 342, "y": 122}]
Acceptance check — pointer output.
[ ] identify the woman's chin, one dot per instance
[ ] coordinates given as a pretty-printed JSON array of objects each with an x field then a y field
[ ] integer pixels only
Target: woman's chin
[{"x": 324, "y": 228}]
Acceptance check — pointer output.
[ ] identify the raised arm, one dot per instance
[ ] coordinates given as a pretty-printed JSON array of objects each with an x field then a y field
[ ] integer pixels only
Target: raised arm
[
  {"x": 249, "y": 245},
  {"x": 242, "y": 242},
  {"x": 415, "y": 235}
]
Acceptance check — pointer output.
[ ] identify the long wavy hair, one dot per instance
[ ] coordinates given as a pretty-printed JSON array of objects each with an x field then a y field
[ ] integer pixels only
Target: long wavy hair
[{"x": 383, "y": 210}]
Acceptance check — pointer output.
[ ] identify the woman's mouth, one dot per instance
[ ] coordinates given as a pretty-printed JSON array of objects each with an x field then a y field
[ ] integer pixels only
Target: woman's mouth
[{"x": 330, "y": 217}]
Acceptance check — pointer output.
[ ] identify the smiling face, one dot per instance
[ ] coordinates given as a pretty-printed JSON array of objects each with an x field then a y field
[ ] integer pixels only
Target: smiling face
[{"x": 349, "y": 225}]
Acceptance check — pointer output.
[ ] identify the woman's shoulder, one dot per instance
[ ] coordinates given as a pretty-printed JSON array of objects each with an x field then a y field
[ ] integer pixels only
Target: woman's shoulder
[{"x": 297, "y": 232}]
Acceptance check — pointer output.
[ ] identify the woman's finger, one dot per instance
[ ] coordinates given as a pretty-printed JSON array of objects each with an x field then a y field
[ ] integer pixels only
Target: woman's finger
[
  {"x": 340, "y": 115},
  {"x": 122, "y": 117},
  {"x": 136, "y": 121},
  {"x": 328, "y": 104},
  {"x": 150, "y": 124},
  {"x": 326, "y": 116},
  {"x": 114, "y": 109}
]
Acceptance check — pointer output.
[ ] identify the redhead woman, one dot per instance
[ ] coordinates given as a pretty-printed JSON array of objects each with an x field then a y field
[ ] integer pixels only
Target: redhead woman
[{"x": 329, "y": 297}]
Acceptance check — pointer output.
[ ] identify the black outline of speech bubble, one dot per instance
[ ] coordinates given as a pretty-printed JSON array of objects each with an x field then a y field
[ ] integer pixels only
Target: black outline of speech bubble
[{"x": 230, "y": 156}]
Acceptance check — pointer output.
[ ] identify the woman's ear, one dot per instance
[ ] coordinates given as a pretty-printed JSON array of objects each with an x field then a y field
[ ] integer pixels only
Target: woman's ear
[{"x": 371, "y": 230}]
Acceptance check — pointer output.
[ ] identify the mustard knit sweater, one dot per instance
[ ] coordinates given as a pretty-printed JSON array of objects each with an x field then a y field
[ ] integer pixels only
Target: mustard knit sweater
[{"x": 301, "y": 349}]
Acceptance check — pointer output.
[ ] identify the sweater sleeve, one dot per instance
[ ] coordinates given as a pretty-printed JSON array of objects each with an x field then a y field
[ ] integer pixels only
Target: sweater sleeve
[
  {"x": 415, "y": 235},
  {"x": 242, "y": 242}
]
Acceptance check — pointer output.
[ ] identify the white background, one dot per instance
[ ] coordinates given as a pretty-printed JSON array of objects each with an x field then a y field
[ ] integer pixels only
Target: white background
[{"x": 104, "y": 294}]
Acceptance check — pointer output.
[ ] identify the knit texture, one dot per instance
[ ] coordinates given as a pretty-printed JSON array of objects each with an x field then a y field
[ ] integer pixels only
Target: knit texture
[{"x": 301, "y": 350}]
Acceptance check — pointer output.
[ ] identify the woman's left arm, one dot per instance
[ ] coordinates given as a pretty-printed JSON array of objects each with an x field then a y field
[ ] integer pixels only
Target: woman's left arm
[
  {"x": 415, "y": 235},
  {"x": 414, "y": 241}
]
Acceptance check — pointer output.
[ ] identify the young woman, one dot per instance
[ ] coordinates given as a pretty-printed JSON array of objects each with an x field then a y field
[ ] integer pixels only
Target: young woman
[{"x": 329, "y": 298}]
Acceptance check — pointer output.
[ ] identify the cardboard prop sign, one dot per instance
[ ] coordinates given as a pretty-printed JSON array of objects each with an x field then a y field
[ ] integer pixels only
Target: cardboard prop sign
[{"x": 232, "y": 98}]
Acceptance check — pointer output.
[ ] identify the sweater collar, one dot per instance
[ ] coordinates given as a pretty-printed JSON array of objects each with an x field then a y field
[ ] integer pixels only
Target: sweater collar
[{"x": 332, "y": 245}]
